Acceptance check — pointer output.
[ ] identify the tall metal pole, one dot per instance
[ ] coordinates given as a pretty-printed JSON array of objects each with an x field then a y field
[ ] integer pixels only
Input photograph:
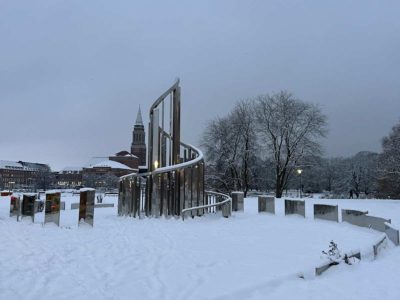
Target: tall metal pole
[
  {"x": 176, "y": 129},
  {"x": 301, "y": 186}
]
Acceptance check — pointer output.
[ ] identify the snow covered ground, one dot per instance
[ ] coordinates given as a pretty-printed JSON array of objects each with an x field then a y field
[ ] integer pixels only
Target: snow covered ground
[{"x": 248, "y": 256}]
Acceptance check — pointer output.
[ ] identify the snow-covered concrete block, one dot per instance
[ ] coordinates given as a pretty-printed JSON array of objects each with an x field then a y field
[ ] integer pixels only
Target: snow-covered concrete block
[
  {"x": 266, "y": 204},
  {"x": 362, "y": 219},
  {"x": 237, "y": 201},
  {"x": 104, "y": 205},
  {"x": 326, "y": 212},
  {"x": 226, "y": 210},
  {"x": 393, "y": 234},
  {"x": 378, "y": 245},
  {"x": 295, "y": 207}
]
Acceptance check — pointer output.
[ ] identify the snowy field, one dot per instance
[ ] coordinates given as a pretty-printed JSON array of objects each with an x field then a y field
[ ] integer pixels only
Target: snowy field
[{"x": 248, "y": 256}]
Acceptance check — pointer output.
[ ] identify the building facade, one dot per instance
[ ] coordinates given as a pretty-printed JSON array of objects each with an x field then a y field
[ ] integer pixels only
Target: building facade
[
  {"x": 69, "y": 177},
  {"x": 104, "y": 172},
  {"x": 126, "y": 158},
  {"x": 24, "y": 175}
]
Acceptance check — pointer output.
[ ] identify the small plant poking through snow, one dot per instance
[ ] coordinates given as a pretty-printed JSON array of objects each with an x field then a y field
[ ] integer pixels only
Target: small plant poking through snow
[{"x": 334, "y": 255}]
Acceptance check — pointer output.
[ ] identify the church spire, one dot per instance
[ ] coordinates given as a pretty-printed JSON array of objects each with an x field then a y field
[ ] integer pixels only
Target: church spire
[
  {"x": 138, "y": 147},
  {"x": 139, "y": 120}
]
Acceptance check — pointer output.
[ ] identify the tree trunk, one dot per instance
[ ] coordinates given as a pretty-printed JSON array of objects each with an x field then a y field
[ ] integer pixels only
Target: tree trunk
[
  {"x": 246, "y": 173},
  {"x": 279, "y": 187}
]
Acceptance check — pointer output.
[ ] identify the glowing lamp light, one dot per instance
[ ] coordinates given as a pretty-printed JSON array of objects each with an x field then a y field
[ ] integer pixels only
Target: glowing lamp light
[
  {"x": 299, "y": 171},
  {"x": 156, "y": 164}
]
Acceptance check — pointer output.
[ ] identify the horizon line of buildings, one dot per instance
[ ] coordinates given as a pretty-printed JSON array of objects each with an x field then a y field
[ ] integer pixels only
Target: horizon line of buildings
[{"x": 99, "y": 172}]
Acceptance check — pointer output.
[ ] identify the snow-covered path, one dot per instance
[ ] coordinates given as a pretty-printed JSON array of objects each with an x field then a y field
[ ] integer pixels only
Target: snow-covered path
[{"x": 246, "y": 256}]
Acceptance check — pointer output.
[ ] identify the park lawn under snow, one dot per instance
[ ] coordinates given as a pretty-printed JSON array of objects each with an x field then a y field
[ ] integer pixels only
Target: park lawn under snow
[{"x": 248, "y": 256}]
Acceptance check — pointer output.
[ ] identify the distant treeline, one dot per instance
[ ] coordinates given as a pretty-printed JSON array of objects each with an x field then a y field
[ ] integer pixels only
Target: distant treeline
[{"x": 262, "y": 142}]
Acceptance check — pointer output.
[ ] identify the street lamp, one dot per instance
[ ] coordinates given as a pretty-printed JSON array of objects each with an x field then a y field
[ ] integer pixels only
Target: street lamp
[{"x": 299, "y": 171}]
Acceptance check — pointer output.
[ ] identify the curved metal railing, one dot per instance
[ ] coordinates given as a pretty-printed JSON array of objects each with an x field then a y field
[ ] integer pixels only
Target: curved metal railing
[
  {"x": 174, "y": 184},
  {"x": 198, "y": 158},
  {"x": 164, "y": 191},
  {"x": 215, "y": 201}
]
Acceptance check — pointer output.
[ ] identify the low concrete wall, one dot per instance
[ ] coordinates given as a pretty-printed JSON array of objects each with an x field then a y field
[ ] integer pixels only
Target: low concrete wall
[
  {"x": 102, "y": 205},
  {"x": 377, "y": 245},
  {"x": 378, "y": 223},
  {"x": 237, "y": 201},
  {"x": 354, "y": 217},
  {"x": 324, "y": 267},
  {"x": 354, "y": 212},
  {"x": 326, "y": 212},
  {"x": 266, "y": 204},
  {"x": 74, "y": 206},
  {"x": 111, "y": 194},
  {"x": 393, "y": 234},
  {"x": 295, "y": 207},
  {"x": 321, "y": 269},
  {"x": 226, "y": 209},
  {"x": 362, "y": 219}
]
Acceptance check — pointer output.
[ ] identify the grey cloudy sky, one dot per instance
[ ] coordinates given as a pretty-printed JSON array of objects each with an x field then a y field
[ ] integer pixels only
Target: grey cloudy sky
[{"x": 72, "y": 73}]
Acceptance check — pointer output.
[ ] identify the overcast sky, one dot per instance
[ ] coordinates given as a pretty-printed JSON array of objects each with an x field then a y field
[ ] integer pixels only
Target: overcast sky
[{"x": 73, "y": 73}]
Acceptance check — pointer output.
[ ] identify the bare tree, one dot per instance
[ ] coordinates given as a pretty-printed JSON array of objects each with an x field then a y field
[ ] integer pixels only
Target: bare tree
[
  {"x": 107, "y": 181},
  {"x": 222, "y": 151},
  {"x": 89, "y": 180},
  {"x": 332, "y": 173},
  {"x": 364, "y": 172},
  {"x": 230, "y": 147},
  {"x": 389, "y": 164},
  {"x": 289, "y": 129},
  {"x": 244, "y": 127},
  {"x": 110, "y": 181},
  {"x": 44, "y": 179},
  {"x": 341, "y": 176},
  {"x": 312, "y": 175}
]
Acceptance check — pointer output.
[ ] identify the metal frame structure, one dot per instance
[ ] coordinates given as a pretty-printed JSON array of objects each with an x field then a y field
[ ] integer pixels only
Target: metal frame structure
[
  {"x": 86, "y": 206},
  {"x": 28, "y": 205},
  {"x": 174, "y": 183},
  {"x": 52, "y": 209},
  {"x": 214, "y": 202},
  {"x": 15, "y": 207}
]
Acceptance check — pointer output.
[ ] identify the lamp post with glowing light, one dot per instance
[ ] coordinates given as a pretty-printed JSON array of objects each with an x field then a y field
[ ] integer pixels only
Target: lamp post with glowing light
[{"x": 299, "y": 171}]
